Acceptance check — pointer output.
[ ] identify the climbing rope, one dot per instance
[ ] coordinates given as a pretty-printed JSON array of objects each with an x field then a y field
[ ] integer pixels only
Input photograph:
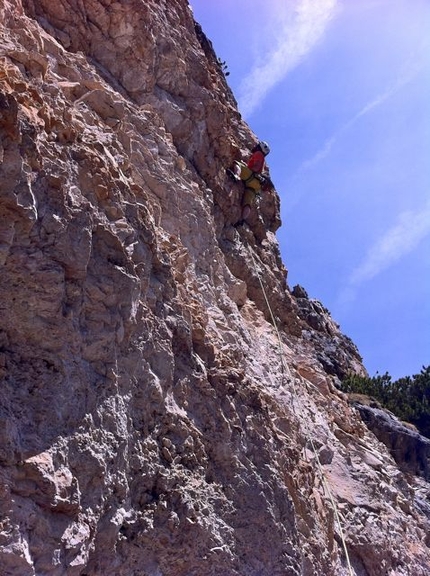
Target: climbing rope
[{"x": 285, "y": 369}]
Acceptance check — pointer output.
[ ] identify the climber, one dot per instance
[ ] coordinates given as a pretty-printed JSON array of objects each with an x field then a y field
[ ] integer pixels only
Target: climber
[{"x": 253, "y": 175}]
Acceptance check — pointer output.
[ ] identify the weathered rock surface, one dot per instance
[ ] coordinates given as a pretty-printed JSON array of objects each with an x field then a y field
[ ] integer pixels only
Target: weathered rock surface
[
  {"x": 152, "y": 420},
  {"x": 408, "y": 447}
]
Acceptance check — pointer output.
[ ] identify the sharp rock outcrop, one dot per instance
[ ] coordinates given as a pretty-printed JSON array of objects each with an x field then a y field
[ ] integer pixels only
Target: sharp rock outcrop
[
  {"x": 408, "y": 447},
  {"x": 153, "y": 421}
]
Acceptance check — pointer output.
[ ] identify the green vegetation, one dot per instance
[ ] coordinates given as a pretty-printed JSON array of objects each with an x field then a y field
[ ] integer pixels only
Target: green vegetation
[{"x": 408, "y": 398}]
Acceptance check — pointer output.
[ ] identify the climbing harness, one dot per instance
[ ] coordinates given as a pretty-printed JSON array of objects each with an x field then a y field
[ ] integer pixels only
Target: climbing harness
[{"x": 286, "y": 370}]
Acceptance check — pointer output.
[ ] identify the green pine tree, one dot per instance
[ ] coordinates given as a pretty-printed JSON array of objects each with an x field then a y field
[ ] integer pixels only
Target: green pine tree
[{"x": 408, "y": 398}]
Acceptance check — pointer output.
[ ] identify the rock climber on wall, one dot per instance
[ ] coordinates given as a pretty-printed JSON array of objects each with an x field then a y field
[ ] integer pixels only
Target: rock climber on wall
[{"x": 253, "y": 175}]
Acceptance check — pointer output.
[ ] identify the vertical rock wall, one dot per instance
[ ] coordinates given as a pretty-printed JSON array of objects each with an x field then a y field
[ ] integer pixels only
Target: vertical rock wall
[{"x": 152, "y": 420}]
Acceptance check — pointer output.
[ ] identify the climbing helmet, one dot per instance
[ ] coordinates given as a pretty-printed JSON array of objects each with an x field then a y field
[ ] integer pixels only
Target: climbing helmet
[{"x": 264, "y": 147}]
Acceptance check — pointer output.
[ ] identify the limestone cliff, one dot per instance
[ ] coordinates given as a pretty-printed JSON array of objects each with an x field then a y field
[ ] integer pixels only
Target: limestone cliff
[{"x": 156, "y": 417}]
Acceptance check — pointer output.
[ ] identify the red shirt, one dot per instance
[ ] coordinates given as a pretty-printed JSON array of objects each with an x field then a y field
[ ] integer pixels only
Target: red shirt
[{"x": 256, "y": 162}]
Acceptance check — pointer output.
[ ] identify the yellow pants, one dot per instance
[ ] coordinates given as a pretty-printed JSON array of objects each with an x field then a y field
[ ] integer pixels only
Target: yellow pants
[{"x": 252, "y": 185}]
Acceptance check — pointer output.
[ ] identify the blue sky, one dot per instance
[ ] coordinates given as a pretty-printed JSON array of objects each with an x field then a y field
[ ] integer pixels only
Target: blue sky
[{"x": 341, "y": 91}]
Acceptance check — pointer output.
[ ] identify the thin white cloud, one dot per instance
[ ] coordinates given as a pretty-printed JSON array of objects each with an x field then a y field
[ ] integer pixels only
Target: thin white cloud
[
  {"x": 296, "y": 36},
  {"x": 404, "y": 78},
  {"x": 401, "y": 239}
]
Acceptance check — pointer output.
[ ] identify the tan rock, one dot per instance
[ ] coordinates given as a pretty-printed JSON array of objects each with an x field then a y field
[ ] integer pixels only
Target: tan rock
[{"x": 152, "y": 419}]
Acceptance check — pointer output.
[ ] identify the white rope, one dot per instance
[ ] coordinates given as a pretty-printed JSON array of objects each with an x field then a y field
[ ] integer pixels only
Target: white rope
[{"x": 285, "y": 369}]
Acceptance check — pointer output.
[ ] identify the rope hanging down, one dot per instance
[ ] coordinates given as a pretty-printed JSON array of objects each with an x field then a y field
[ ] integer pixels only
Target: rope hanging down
[{"x": 286, "y": 370}]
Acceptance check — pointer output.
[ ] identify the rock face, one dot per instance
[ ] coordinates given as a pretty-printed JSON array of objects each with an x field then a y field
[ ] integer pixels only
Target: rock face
[
  {"x": 153, "y": 420},
  {"x": 409, "y": 449}
]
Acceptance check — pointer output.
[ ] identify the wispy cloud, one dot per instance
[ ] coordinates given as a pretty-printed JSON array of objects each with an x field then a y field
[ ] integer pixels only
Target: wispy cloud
[
  {"x": 401, "y": 239},
  {"x": 294, "y": 37},
  {"x": 404, "y": 78}
]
